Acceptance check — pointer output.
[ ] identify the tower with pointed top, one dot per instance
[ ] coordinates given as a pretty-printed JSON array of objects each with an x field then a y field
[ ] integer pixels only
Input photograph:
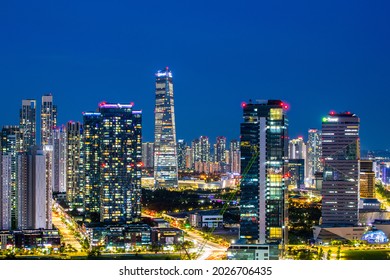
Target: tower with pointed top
[{"x": 165, "y": 153}]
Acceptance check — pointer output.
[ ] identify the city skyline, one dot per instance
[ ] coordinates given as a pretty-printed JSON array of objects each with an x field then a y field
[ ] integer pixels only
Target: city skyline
[{"x": 315, "y": 56}]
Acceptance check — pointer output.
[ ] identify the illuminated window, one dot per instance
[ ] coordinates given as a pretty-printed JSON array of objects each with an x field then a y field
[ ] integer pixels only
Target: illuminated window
[
  {"x": 275, "y": 232},
  {"x": 276, "y": 114}
]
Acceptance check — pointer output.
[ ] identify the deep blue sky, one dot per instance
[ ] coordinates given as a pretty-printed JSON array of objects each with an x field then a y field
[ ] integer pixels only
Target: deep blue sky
[{"x": 316, "y": 55}]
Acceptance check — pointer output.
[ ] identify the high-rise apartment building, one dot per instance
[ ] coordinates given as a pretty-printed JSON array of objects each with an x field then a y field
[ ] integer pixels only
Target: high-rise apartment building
[
  {"x": 48, "y": 119},
  {"x": 121, "y": 160},
  {"x": 47, "y": 152},
  {"x": 264, "y": 153},
  {"x": 35, "y": 191},
  {"x": 189, "y": 158},
  {"x": 341, "y": 156},
  {"x": 92, "y": 125},
  {"x": 314, "y": 154},
  {"x": 5, "y": 191},
  {"x": 196, "y": 151},
  {"x": 28, "y": 124},
  {"x": 59, "y": 160},
  {"x": 165, "y": 154},
  {"x": 181, "y": 154},
  {"x": 235, "y": 157},
  {"x": 297, "y": 162},
  {"x": 148, "y": 154},
  {"x": 297, "y": 148},
  {"x": 10, "y": 147},
  {"x": 204, "y": 149},
  {"x": 74, "y": 165},
  {"x": 219, "y": 149}
]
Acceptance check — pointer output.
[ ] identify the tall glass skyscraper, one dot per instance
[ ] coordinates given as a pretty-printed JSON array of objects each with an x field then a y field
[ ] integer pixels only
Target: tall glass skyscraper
[
  {"x": 165, "y": 153},
  {"x": 341, "y": 155},
  {"x": 264, "y": 153},
  {"x": 120, "y": 162}
]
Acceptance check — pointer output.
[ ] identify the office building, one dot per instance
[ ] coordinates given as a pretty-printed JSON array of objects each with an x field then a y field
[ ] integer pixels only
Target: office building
[
  {"x": 121, "y": 160},
  {"x": 296, "y": 173},
  {"x": 367, "y": 179},
  {"x": 341, "y": 155},
  {"x": 48, "y": 119},
  {"x": 28, "y": 124},
  {"x": 165, "y": 154},
  {"x": 264, "y": 153}
]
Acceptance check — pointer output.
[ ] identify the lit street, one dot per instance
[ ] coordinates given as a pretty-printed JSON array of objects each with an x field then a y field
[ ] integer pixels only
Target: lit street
[
  {"x": 204, "y": 249},
  {"x": 68, "y": 236}
]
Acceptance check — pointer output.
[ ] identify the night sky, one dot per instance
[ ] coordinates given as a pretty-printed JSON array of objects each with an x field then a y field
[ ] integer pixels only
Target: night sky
[{"x": 316, "y": 55}]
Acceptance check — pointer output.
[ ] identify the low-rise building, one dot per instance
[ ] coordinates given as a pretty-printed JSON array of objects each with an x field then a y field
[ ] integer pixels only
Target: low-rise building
[
  {"x": 206, "y": 219},
  {"x": 253, "y": 252},
  {"x": 160, "y": 223},
  {"x": 125, "y": 236},
  {"x": 323, "y": 234},
  {"x": 167, "y": 236},
  {"x": 29, "y": 239}
]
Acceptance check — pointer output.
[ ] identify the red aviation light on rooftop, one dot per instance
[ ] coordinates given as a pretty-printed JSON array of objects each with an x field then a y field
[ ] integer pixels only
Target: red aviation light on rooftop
[
  {"x": 102, "y": 103},
  {"x": 332, "y": 113},
  {"x": 284, "y": 105},
  {"x": 243, "y": 104}
]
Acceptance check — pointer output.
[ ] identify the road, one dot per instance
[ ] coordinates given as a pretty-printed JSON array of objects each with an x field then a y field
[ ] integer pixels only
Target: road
[
  {"x": 204, "y": 249},
  {"x": 68, "y": 237}
]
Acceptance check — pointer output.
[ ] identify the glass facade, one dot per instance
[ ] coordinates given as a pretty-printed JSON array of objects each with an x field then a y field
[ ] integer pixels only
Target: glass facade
[
  {"x": 341, "y": 157},
  {"x": 264, "y": 152},
  {"x": 165, "y": 154}
]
